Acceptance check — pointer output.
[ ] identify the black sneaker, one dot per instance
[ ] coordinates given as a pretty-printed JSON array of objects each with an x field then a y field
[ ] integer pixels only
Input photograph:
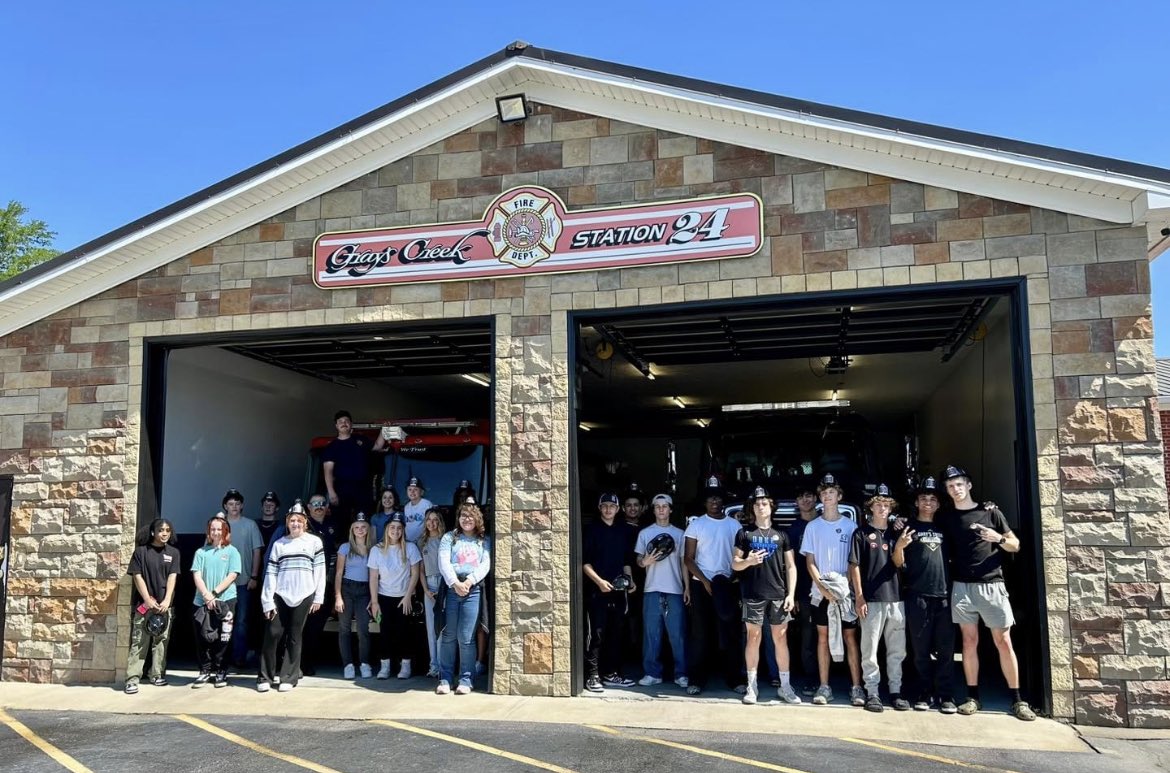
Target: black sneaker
[
  {"x": 203, "y": 678},
  {"x": 809, "y": 690},
  {"x": 158, "y": 681},
  {"x": 221, "y": 679},
  {"x": 900, "y": 703},
  {"x": 874, "y": 703},
  {"x": 617, "y": 680},
  {"x": 593, "y": 684},
  {"x": 922, "y": 703},
  {"x": 948, "y": 707}
]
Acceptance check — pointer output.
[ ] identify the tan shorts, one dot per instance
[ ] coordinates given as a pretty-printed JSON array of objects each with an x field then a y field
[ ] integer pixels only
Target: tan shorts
[{"x": 971, "y": 601}]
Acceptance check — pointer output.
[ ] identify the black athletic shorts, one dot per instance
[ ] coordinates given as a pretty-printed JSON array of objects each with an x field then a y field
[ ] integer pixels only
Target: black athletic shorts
[{"x": 820, "y": 616}]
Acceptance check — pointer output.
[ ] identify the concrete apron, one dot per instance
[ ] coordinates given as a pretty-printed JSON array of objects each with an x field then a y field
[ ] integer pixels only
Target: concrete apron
[{"x": 323, "y": 698}]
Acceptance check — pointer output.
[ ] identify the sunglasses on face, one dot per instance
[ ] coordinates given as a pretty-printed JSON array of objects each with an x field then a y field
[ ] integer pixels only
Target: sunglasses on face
[{"x": 316, "y": 504}]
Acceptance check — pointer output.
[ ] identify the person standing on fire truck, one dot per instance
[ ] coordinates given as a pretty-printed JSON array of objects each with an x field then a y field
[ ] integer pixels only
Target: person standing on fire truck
[{"x": 346, "y": 465}]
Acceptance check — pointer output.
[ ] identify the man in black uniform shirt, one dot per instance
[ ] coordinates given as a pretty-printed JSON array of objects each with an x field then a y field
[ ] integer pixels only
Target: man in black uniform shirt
[
  {"x": 346, "y": 467},
  {"x": 920, "y": 553},
  {"x": 607, "y": 554},
  {"x": 633, "y": 510},
  {"x": 878, "y": 600},
  {"x": 806, "y": 504},
  {"x": 978, "y": 538}
]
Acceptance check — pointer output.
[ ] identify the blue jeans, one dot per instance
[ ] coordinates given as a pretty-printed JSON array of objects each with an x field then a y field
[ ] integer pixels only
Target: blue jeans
[
  {"x": 461, "y": 615},
  {"x": 239, "y": 651},
  {"x": 661, "y": 610}
]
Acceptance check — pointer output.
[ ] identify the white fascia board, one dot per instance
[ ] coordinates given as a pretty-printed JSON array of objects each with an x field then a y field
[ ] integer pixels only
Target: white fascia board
[
  {"x": 120, "y": 271},
  {"x": 978, "y": 183},
  {"x": 860, "y": 130}
]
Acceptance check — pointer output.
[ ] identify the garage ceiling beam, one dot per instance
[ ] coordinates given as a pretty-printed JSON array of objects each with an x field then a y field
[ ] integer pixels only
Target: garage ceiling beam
[
  {"x": 295, "y": 368},
  {"x": 623, "y": 347},
  {"x": 977, "y": 309}
]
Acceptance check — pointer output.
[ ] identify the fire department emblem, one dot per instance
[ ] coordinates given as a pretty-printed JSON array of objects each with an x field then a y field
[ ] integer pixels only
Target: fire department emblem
[{"x": 524, "y": 228}]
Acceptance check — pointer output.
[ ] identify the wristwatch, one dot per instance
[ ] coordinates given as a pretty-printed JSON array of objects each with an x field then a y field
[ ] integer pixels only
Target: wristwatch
[{"x": 1002, "y": 539}]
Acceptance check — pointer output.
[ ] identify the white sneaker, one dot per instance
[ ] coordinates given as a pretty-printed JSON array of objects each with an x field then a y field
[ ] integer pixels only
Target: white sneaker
[
  {"x": 750, "y": 693},
  {"x": 788, "y": 695},
  {"x": 349, "y": 672},
  {"x": 404, "y": 672},
  {"x": 284, "y": 687},
  {"x": 682, "y": 682},
  {"x": 463, "y": 688},
  {"x": 444, "y": 688},
  {"x": 366, "y": 671},
  {"x": 384, "y": 671},
  {"x": 650, "y": 681}
]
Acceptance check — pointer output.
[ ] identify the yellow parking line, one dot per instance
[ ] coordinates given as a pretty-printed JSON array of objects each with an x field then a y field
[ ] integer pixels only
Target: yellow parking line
[
  {"x": 236, "y": 739},
  {"x": 473, "y": 745},
  {"x": 697, "y": 750},
  {"x": 925, "y": 756},
  {"x": 60, "y": 757}
]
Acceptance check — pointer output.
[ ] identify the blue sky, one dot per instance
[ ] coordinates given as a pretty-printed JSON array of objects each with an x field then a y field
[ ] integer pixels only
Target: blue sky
[{"x": 116, "y": 109}]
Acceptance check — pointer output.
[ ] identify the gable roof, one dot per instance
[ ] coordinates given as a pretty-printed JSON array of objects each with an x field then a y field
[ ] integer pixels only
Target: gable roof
[{"x": 1067, "y": 181}]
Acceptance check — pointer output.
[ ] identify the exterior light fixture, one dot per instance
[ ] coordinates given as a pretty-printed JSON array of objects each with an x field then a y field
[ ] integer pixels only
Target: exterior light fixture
[
  {"x": 678, "y": 401},
  {"x": 475, "y": 378},
  {"x": 511, "y": 108}
]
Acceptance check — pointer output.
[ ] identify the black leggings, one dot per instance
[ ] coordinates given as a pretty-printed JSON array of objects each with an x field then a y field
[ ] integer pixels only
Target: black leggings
[
  {"x": 394, "y": 638},
  {"x": 285, "y": 633}
]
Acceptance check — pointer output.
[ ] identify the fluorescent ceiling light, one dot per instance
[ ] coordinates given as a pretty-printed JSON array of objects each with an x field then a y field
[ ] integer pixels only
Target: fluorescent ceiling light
[
  {"x": 800, "y": 405},
  {"x": 475, "y": 378},
  {"x": 678, "y": 401}
]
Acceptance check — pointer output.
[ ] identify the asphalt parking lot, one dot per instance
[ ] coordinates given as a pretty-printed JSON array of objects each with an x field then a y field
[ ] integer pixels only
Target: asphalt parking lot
[{"x": 48, "y": 741}]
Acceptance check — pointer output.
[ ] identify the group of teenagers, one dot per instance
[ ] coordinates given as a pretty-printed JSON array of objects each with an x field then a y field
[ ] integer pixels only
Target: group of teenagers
[
  {"x": 389, "y": 567},
  {"x": 849, "y": 586}
]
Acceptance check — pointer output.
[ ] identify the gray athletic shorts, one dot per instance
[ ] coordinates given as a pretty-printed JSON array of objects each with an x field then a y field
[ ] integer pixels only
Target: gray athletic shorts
[
  {"x": 756, "y": 612},
  {"x": 988, "y": 600}
]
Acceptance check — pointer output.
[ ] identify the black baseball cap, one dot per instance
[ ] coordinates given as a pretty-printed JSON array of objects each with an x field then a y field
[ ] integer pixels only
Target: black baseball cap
[
  {"x": 414, "y": 480},
  {"x": 608, "y": 498}
]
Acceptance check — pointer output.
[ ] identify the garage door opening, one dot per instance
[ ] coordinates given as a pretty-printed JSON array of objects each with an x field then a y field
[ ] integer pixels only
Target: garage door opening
[
  {"x": 254, "y": 411},
  {"x": 883, "y": 386}
]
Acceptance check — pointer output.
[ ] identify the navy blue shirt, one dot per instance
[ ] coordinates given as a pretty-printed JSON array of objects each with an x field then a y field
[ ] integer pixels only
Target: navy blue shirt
[{"x": 351, "y": 460}]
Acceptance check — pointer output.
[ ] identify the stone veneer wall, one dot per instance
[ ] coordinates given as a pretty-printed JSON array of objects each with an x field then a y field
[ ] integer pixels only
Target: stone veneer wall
[{"x": 71, "y": 399}]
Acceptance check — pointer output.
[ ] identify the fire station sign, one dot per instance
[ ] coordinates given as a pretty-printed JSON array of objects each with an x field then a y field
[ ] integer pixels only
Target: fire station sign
[{"x": 528, "y": 231}]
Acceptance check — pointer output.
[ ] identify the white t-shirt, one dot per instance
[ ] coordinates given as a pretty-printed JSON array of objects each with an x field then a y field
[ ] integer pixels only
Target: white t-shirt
[
  {"x": 665, "y": 575},
  {"x": 415, "y": 515},
  {"x": 393, "y": 574},
  {"x": 828, "y": 542},
  {"x": 716, "y": 538}
]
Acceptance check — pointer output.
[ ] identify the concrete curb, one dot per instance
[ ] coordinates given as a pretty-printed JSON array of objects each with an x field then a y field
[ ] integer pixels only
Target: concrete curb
[{"x": 323, "y": 698}]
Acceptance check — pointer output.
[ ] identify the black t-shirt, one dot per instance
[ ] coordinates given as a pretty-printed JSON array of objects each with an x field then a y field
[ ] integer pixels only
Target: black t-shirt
[
  {"x": 155, "y": 565},
  {"x": 973, "y": 559},
  {"x": 769, "y": 580},
  {"x": 925, "y": 571},
  {"x": 870, "y": 550},
  {"x": 267, "y": 529},
  {"x": 608, "y": 549},
  {"x": 803, "y": 578},
  {"x": 351, "y": 459}
]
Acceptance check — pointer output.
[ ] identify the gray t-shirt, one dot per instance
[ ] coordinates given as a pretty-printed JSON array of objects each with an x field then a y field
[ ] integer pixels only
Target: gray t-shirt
[
  {"x": 665, "y": 575},
  {"x": 246, "y": 538}
]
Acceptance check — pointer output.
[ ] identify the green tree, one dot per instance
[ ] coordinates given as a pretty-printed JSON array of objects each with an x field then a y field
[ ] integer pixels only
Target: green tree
[{"x": 23, "y": 243}]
